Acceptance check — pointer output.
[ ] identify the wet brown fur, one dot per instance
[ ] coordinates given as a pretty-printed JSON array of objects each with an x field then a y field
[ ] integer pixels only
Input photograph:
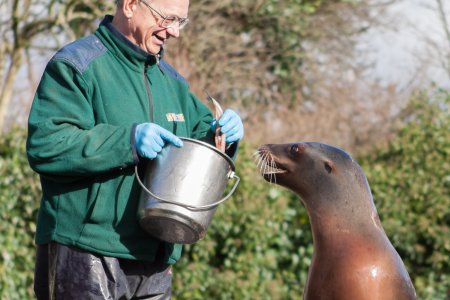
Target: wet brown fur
[{"x": 353, "y": 258}]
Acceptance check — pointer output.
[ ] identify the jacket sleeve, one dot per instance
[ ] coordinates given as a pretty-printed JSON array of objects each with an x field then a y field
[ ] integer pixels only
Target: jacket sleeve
[
  {"x": 201, "y": 127},
  {"x": 64, "y": 142}
]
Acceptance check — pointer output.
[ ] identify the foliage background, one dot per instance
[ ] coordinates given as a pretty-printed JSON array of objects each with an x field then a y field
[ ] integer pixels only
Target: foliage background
[{"x": 259, "y": 244}]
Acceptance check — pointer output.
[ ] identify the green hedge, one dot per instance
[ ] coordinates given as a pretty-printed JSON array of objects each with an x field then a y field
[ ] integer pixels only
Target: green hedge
[
  {"x": 410, "y": 182},
  {"x": 19, "y": 199},
  {"x": 259, "y": 243}
]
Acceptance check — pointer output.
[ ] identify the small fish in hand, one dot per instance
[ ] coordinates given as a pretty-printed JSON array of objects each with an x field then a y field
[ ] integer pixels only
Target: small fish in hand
[{"x": 218, "y": 111}]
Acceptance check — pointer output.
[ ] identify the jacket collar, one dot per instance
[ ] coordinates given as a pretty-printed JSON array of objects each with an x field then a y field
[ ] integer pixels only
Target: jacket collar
[{"x": 128, "y": 48}]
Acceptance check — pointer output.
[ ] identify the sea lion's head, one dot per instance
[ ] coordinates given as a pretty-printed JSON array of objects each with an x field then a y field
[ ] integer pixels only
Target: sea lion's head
[{"x": 312, "y": 170}]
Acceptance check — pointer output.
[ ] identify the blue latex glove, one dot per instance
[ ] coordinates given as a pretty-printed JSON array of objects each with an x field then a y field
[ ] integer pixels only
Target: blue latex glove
[
  {"x": 231, "y": 125},
  {"x": 150, "y": 138}
]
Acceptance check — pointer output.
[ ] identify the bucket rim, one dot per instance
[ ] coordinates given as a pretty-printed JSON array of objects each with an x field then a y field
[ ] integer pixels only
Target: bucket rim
[{"x": 202, "y": 143}]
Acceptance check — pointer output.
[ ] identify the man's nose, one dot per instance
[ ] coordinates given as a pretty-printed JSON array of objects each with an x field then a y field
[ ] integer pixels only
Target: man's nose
[{"x": 174, "y": 30}]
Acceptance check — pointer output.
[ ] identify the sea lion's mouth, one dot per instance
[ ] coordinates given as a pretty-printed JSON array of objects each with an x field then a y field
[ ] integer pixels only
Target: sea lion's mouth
[{"x": 268, "y": 167}]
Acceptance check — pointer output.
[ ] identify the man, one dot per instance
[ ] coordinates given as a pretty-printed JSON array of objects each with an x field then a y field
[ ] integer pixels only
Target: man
[{"x": 106, "y": 103}]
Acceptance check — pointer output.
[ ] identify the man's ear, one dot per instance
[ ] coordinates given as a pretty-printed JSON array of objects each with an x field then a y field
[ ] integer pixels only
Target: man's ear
[{"x": 129, "y": 6}]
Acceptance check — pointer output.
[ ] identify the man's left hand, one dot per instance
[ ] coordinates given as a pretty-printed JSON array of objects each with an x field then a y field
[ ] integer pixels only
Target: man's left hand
[{"x": 231, "y": 125}]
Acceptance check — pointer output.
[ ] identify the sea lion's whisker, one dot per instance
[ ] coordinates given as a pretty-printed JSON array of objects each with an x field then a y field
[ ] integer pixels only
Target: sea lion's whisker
[
  {"x": 262, "y": 161},
  {"x": 259, "y": 163},
  {"x": 256, "y": 153},
  {"x": 264, "y": 164},
  {"x": 256, "y": 156},
  {"x": 266, "y": 167},
  {"x": 274, "y": 166},
  {"x": 259, "y": 159}
]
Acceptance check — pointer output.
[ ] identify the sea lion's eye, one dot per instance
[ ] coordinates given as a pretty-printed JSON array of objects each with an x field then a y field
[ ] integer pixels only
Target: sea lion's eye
[{"x": 294, "y": 149}]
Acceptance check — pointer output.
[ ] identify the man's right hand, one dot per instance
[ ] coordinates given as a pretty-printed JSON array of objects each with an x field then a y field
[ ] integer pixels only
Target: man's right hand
[{"x": 150, "y": 139}]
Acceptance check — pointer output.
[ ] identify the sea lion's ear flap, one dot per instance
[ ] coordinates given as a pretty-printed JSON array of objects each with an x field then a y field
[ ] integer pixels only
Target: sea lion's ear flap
[{"x": 329, "y": 166}]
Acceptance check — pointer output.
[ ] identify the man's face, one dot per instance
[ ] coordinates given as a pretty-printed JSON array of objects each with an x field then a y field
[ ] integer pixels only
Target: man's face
[{"x": 146, "y": 29}]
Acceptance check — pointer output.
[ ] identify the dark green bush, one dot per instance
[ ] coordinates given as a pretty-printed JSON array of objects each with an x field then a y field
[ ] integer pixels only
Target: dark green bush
[
  {"x": 410, "y": 183},
  {"x": 19, "y": 199},
  {"x": 259, "y": 244}
]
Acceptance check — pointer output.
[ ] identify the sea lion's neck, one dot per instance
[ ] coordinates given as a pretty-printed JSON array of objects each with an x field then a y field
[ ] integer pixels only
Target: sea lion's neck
[{"x": 330, "y": 223}]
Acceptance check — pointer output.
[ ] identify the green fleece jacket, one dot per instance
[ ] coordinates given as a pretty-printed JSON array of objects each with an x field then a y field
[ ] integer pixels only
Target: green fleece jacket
[{"x": 81, "y": 141}]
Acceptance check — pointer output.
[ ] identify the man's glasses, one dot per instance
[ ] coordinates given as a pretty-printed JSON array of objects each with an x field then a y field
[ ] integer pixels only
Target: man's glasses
[{"x": 167, "y": 21}]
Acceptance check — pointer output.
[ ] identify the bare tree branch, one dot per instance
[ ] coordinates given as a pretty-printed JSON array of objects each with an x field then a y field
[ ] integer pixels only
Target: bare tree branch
[
  {"x": 23, "y": 21},
  {"x": 446, "y": 28}
]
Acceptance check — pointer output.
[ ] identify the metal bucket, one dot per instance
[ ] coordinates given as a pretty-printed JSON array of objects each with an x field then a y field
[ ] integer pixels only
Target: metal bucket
[{"x": 182, "y": 189}]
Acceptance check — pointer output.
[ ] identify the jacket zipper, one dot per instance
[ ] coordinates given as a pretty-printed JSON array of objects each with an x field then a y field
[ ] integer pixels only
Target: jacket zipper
[{"x": 149, "y": 95}]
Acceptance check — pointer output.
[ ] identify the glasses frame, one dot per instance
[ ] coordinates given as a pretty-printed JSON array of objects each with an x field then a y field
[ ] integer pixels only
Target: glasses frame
[{"x": 168, "y": 21}]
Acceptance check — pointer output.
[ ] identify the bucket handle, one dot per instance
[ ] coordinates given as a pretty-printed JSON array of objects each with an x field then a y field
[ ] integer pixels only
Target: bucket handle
[{"x": 194, "y": 208}]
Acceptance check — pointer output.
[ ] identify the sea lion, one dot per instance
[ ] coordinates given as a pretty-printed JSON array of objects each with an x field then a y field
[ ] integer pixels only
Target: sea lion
[{"x": 353, "y": 258}]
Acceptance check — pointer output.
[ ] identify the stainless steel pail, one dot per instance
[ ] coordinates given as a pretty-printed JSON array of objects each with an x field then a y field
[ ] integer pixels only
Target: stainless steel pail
[{"x": 181, "y": 191}]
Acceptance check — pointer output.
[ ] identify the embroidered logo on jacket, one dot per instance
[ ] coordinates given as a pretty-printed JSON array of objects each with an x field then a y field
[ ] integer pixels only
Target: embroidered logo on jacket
[{"x": 171, "y": 117}]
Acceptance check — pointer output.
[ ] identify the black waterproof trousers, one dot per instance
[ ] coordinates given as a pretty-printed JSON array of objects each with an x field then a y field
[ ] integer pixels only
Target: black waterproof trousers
[{"x": 67, "y": 273}]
